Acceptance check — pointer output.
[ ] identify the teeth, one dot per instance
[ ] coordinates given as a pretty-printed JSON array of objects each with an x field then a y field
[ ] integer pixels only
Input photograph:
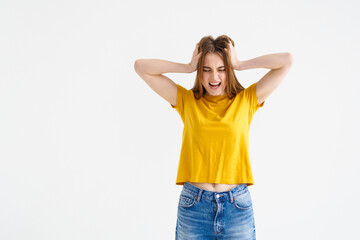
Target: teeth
[{"x": 212, "y": 84}]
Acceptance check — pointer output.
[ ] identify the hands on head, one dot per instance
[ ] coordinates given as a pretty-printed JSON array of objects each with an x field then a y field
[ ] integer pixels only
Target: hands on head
[
  {"x": 195, "y": 58},
  {"x": 232, "y": 53},
  {"x": 229, "y": 49}
]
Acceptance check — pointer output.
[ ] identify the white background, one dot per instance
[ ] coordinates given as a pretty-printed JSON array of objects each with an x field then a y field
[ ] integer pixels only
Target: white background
[{"x": 89, "y": 151}]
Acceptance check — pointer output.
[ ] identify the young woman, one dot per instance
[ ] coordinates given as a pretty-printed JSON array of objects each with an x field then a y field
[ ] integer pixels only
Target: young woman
[{"x": 214, "y": 166}]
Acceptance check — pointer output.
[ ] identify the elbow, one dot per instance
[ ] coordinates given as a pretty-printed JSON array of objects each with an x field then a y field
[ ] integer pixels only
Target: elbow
[
  {"x": 137, "y": 65},
  {"x": 289, "y": 59}
]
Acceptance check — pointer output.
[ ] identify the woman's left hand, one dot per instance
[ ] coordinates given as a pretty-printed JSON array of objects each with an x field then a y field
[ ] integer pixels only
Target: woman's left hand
[{"x": 234, "y": 59}]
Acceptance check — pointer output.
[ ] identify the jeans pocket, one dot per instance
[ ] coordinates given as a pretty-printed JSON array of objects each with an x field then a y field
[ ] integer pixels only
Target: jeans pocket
[
  {"x": 243, "y": 201},
  {"x": 186, "y": 200}
]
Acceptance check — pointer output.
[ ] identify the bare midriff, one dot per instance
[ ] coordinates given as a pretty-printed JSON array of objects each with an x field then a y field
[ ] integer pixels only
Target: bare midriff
[{"x": 214, "y": 187}]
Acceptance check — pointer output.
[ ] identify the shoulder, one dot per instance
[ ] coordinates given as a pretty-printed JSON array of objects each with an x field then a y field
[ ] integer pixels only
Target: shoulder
[{"x": 184, "y": 91}]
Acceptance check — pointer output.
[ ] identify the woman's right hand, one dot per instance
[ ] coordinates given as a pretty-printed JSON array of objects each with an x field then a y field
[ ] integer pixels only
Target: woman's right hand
[{"x": 195, "y": 59}]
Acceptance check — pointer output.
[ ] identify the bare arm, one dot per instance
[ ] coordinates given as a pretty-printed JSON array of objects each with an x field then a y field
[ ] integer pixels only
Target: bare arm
[
  {"x": 151, "y": 70},
  {"x": 279, "y": 63},
  {"x": 271, "y": 61},
  {"x": 157, "y": 66}
]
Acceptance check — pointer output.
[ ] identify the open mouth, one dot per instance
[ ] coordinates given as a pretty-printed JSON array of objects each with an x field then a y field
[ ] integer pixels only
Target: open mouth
[{"x": 214, "y": 85}]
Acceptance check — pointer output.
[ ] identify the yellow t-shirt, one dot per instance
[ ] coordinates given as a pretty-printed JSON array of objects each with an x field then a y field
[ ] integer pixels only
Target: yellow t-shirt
[{"x": 215, "y": 139}]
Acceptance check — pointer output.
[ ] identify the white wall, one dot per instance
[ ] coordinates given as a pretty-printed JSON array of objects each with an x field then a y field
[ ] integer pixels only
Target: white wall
[{"x": 89, "y": 151}]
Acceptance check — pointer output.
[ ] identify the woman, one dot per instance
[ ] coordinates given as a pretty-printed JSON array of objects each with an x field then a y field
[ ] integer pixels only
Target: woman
[{"x": 214, "y": 166}]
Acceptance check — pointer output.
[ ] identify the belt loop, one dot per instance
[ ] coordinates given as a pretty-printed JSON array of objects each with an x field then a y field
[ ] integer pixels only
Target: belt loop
[
  {"x": 231, "y": 196},
  {"x": 199, "y": 195}
]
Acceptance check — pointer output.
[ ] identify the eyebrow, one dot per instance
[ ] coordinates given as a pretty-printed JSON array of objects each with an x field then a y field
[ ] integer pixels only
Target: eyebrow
[{"x": 210, "y": 67}]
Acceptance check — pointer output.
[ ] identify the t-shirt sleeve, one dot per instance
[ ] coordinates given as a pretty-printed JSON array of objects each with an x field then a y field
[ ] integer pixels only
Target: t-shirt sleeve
[
  {"x": 181, "y": 99},
  {"x": 250, "y": 94}
]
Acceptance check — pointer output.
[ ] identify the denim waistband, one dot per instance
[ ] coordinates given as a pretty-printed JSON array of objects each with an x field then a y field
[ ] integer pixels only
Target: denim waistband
[{"x": 210, "y": 195}]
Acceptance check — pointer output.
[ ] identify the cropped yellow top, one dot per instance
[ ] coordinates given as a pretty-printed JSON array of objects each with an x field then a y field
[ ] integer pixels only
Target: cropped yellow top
[{"x": 215, "y": 139}]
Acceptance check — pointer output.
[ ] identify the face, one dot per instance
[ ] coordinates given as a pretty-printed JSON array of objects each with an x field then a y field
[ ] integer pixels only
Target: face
[{"x": 214, "y": 72}]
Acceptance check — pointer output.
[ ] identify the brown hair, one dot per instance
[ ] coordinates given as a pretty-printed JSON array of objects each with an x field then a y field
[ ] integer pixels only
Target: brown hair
[{"x": 210, "y": 45}]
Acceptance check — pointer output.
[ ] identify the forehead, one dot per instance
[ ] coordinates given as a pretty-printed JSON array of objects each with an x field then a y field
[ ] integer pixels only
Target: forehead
[{"x": 213, "y": 60}]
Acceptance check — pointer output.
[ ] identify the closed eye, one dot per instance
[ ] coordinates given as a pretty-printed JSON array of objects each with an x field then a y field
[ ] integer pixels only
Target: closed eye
[{"x": 209, "y": 70}]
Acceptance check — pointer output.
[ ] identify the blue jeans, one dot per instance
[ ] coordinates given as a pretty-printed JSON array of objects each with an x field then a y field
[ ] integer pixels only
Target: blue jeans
[{"x": 206, "y": 214}]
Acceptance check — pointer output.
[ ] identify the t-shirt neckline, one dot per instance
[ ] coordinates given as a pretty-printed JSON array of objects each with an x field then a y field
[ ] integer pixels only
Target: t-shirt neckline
[{"x": 217, "y": 97}]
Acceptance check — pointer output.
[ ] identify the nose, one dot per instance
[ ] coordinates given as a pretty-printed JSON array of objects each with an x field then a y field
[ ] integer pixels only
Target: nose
[{"x": 215, "y": 77}]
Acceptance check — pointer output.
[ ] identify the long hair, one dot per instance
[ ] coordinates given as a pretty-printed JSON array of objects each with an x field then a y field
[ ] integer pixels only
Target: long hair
[{"x": 210, "y": 45}]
